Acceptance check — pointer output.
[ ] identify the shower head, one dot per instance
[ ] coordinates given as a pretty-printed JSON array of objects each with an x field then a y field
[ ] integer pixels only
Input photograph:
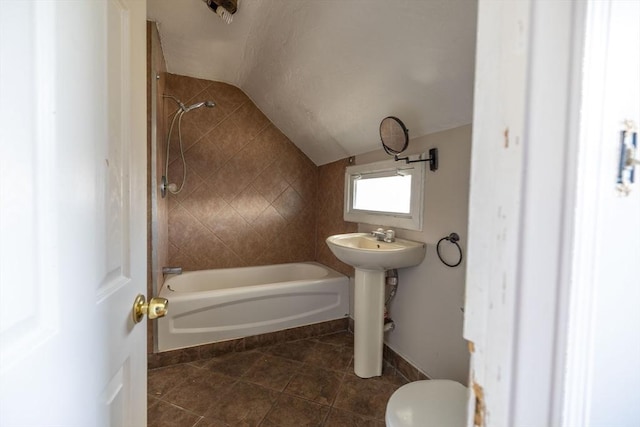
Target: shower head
[{"x": 209, "y": 104}]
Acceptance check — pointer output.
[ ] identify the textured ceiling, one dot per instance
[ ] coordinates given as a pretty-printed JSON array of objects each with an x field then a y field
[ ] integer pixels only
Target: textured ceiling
[{"x": 327, "y": 72}]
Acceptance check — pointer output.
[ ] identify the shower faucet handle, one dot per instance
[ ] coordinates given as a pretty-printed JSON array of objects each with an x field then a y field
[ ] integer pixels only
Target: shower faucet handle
[{"x": 171, "y": 270}]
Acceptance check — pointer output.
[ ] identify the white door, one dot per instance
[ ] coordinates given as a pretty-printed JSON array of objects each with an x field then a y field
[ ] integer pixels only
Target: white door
[
  {"x": 73, "y": 202},
  {"x": 603, "y": 343}
]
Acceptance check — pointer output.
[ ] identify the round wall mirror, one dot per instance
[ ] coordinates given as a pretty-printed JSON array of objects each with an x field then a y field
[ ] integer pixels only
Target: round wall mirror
[{"x": 394, "y": 135}]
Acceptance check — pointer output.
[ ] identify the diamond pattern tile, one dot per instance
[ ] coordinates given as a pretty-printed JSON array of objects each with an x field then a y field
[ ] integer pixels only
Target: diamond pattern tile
[
  {"x": 246, "y": 185},
  {"x": 330, "y": 213}
]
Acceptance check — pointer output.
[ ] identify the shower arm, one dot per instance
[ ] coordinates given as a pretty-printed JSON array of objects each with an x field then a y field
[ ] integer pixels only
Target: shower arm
[{"x": 180, "y": 104}]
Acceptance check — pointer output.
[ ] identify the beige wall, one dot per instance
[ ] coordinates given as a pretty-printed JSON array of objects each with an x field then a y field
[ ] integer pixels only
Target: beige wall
[{"x": 427, "y": 308}]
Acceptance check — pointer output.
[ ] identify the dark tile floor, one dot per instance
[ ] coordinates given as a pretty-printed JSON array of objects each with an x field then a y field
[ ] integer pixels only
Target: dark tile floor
[{"x": 299, "y": 383}]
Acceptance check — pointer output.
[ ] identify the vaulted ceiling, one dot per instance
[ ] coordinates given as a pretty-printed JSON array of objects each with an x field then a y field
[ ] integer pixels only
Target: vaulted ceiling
[{"x": 326, "y": 72}]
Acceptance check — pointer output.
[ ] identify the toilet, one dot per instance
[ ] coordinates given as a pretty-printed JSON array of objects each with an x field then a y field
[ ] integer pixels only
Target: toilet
[{"x": 438, "y": 403}]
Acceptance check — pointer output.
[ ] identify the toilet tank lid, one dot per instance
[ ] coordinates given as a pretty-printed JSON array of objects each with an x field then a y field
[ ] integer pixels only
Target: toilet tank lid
[{"x": 429, "y": 402}]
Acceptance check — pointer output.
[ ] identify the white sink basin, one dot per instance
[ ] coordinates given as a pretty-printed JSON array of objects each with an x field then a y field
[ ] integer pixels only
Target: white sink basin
[{"x": 363, "y": 251}]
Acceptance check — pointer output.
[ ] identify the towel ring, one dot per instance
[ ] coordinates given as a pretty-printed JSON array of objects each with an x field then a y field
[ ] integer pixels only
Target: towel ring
[{"x": 453, "y": 238}]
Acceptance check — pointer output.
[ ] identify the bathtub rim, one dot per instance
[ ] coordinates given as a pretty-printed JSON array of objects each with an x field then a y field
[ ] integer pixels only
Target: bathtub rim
[{"x": 165, "y": 291}]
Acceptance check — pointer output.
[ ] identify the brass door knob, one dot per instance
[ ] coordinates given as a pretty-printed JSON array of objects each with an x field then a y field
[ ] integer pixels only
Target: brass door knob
[{"x": 156, "y": 307}]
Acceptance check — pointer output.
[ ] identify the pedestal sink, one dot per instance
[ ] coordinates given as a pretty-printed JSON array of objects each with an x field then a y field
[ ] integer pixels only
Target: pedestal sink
[{"x": 371, "y": 258}]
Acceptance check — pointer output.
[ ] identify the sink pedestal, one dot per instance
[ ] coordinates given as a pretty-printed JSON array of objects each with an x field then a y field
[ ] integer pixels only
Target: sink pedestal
[
  {"x": 371, "y": 257},
  {"x": 368, "y": 317}
]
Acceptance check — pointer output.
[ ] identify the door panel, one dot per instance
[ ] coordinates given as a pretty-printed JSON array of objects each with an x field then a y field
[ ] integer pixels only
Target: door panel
[
  {"x": 73, "y": 220},
  {"x": 25, "y": 244},
  {"x": 121, "y": 216},
  {"x": 114, "y": 399}
]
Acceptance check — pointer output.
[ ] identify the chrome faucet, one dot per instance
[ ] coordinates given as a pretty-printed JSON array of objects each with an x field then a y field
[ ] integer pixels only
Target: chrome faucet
[
  {"x": 378, "y": 234},
  {"x": 384, "y": 236},
  {"x": 171, "y": 270}
]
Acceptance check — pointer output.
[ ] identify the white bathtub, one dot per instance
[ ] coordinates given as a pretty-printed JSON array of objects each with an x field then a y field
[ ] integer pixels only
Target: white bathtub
[{"x": 215, "y": 305}]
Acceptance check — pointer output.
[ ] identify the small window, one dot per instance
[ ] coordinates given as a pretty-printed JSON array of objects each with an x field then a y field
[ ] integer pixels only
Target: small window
[{"x": 385, "y": 193}]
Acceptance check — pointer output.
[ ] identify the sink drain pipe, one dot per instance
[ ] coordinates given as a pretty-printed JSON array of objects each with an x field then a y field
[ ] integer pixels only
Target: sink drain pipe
[{"x": 391, "y": 279}]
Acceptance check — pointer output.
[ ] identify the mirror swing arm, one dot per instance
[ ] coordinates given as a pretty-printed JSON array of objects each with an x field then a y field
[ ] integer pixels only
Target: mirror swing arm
[
  {"x": 432, "y": 159},
  {"x": 394, "y": 136}
]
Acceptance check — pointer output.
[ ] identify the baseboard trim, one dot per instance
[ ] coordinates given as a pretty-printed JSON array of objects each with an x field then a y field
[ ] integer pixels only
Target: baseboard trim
[{"x": 207, "y": 351}]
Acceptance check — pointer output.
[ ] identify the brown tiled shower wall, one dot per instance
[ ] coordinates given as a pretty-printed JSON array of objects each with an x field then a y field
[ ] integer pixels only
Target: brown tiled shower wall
[
  {"x": 330, "y": 213},
  {"x": 251, "y": 197}
]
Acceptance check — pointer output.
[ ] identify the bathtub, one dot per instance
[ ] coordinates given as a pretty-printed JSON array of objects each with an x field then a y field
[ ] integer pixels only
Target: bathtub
[{"x": 216, "y": 305}]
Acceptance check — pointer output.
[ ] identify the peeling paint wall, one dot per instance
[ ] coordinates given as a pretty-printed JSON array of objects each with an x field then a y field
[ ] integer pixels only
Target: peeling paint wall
[{"x": 494, "y": 203}]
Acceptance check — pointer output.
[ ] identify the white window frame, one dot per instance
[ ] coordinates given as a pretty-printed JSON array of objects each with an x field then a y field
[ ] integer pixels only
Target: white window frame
[{"x": 411, "y": 221}]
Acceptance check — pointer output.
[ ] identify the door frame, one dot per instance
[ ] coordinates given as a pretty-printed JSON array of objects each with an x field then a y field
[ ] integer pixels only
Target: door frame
[{"x": 531, "y": 227}]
